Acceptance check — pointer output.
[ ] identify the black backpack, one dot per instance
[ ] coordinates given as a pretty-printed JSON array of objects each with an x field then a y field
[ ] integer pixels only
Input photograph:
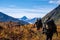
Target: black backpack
[{"x": 52, "y": 26}]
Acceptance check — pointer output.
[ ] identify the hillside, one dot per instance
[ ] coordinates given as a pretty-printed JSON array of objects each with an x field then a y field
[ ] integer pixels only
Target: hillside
[
  {"x": 6, "y": 18},
  {"x": 56, "y": 16}
]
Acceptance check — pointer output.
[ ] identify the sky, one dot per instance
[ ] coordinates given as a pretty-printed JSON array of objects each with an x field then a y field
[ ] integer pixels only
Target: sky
[{"x": 29, "y": 8}]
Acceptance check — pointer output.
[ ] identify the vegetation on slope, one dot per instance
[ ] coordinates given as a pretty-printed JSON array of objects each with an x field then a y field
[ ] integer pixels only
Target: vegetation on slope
[{"x": 26, "y": 32}]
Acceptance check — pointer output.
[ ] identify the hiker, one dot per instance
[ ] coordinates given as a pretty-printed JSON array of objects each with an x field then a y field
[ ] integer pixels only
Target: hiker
[
  {"x": 50, "y": 29},
  {"x": 38, "y": 23}
]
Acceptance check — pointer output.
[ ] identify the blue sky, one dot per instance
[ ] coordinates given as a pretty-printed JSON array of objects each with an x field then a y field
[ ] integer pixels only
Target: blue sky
[{"x": 29, "y": 8}]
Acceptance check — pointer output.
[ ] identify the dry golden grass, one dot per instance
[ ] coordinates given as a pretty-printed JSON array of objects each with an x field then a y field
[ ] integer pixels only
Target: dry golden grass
[{"x": 26, "y": 32}]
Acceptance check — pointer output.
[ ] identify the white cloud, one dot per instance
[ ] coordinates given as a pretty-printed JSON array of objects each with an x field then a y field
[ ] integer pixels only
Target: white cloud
[
  {"x": 30, "y": 13},
  {"x": 54, "y": 1},
  {"x": 51, "y": 1},
  {"x": 12, "y": 6},
  {"x": 58, "y": 1}
]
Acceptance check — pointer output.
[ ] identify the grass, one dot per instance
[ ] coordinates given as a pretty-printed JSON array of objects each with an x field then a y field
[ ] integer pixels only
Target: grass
[{"x": 26, "y": 32}]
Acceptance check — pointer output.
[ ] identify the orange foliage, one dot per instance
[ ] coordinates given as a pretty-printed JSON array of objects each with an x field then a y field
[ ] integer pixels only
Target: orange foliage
[{"x": 10, "y": 31}]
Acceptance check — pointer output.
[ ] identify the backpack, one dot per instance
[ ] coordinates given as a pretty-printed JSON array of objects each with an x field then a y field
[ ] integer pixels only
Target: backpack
[{"x": 51, "y": 27}]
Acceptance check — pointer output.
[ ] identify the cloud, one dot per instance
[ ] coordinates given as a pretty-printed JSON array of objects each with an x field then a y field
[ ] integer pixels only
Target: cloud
[
  {"x": 30, "y": 13},
  {"x": 58, "y": 1},
  {"x": 54, "y": 1},
  {"x": 12, "y": 6},
  {"x": 51, "y": 1}
]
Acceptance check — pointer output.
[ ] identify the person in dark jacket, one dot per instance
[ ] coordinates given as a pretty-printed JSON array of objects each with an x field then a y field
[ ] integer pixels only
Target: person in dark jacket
[
  {"x": 38, "y": 23},
  {"x": 51, "y": 29}
]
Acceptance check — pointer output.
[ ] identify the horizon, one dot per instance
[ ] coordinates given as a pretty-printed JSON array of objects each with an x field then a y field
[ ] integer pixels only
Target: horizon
[{"x": 28, "y": 8}]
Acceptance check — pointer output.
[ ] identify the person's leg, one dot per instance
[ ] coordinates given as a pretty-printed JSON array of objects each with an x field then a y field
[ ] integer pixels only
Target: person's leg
[
  {"x": 51, "y": 37},
  {"x": 47, "y": 37}
]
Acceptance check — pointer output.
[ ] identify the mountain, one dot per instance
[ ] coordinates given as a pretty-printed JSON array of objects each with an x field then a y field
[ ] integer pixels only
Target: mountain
[
  {"x": 33, "y": 20},
  {"x": 24, "y": 18},
  {"x": 56, "y": 15},
  {"x": 6, "y": 18}
]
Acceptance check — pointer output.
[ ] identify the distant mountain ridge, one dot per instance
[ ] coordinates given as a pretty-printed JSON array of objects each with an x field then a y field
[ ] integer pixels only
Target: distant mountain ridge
[
  {"x": 33, "y": 20},
  {"x": 56, "y": 16},
  {"x": 6, "y": 18},
  {"x": 24, "y": 18}
]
